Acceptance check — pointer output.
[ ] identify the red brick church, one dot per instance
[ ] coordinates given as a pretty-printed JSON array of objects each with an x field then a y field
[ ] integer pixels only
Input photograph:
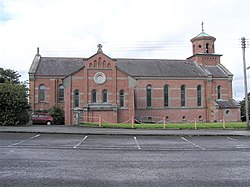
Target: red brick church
[{"x": 198, "y": 87}]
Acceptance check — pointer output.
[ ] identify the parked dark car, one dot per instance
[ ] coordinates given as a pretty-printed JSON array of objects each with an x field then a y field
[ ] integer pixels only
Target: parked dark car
[{"x": 42, "y": 118}]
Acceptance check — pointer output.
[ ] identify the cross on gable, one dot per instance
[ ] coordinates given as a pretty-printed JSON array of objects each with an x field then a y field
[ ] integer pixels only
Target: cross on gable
[{"x": 99, "y": 48}]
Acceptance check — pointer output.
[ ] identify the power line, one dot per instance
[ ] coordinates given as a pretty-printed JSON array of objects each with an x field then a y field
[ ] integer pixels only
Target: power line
[{"x": 130, "y": 46}]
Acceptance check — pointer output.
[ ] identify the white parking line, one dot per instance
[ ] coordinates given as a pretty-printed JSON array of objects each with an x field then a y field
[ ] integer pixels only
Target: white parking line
[
  {"x": 239, "y": 146},
  {"x": 137, "y": 143},
  {"x": 233, "y": 139},
  {"x": 36, "y": 136},
  {"x": 193, "y": 143},
  {"x": 80, "y": 142}
]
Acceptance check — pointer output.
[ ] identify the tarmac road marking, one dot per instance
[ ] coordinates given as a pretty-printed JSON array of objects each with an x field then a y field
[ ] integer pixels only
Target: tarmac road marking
[
  {"x": 239, "y": 146},
  {"x": 137, "y": 143},
  {"x": 233, "y": 139},
  {"x": 33, "y": 137},
  {"x": 192, "y": 143},
  {"x": 80, "y": 142}
]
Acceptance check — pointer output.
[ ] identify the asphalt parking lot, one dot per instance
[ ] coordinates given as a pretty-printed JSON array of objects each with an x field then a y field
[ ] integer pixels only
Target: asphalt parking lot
[
  {"x": 22, "y": 140},
  {"x": 32, "y": 159}
]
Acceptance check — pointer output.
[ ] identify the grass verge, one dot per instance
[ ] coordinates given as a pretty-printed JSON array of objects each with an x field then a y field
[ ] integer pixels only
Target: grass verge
[{"x": 217, "y": 125}]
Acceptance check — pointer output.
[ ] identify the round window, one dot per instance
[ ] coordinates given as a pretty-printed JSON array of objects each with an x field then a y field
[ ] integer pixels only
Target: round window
[
  {"x": 99, "y": 78},
  {"x": 227, "y": 112}
]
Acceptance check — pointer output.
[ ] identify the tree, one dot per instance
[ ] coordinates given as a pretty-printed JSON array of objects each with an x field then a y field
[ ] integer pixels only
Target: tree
[
  {"x": 243, "y": 108},
  {"x": 9, "y": 75},
  {"x": 13, "y": 104}
]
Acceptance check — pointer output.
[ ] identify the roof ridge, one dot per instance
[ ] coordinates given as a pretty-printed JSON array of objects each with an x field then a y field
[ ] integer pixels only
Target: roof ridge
[
  {"x": 63, "y": 57},
  {"x": 151, "y": 59},
  {"x": 163, "y": 59}
]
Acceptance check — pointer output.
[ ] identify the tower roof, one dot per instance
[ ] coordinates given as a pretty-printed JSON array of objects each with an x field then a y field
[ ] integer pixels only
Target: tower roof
[{"x": 202, "y": 34}]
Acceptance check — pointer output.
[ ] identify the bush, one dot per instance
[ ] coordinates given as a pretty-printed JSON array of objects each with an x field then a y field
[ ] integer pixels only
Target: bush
[
  {"x": 58, "y": 115},
  {"x": 13, "y": 104}
]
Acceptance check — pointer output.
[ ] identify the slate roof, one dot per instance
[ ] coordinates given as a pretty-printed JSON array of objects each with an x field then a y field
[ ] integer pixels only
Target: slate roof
[
  {"x": 160, "y": 68},
  {"x": 227, "y": 103},
  {"x": 216, "y": 71},
  {"x": 58, "y": 66}
]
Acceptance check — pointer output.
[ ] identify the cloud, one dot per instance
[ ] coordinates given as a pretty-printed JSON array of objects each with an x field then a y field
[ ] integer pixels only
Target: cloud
[
  {"x": 4, "y": 16},
  {"x": 126, "y": 28}
]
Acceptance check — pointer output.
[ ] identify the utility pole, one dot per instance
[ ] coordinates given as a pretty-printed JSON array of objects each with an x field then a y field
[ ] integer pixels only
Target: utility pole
[{"x": 243, "y": 45}]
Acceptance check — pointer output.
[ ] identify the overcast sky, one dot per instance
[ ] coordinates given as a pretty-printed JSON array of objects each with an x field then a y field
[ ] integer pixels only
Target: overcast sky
[{"x": 125, "y": 28}]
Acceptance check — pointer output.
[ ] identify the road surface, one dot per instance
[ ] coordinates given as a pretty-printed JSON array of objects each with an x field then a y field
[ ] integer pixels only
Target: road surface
[{"x": 99, "y": 160}]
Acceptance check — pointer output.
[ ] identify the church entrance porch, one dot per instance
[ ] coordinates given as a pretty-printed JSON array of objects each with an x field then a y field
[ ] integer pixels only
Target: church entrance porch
[{"x": 92, "y": 113}]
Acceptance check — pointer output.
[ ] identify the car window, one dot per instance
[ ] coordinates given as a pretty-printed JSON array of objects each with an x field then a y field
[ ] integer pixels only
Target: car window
[{"x": 34, "y": 116}]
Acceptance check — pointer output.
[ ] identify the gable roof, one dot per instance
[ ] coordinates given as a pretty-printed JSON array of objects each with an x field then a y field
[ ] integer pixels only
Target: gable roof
[
  {"x": 227, "y": 103},
  {"x": 215, "y": 71},
  {"x": 160, "y": 68},
  {"x": 57, "y": 66}
]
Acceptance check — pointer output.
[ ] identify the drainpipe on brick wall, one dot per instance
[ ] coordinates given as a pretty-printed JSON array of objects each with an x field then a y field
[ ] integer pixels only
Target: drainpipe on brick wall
[
  {"x": 206, "y": 107},
  {"x": 70, "y": 104},
  {"x": 34, "y": 95},
  {"x": 55, "y": 104}
]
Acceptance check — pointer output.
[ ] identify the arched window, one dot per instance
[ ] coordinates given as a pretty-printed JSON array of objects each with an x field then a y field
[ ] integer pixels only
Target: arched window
[
  {"x": 219, "y": 92},
  {"x": 149, "y": 95},
  {"x": 61, "y": 93},
  {"x": 93, "y": 96},
  {"x": 41, "y": 93},
  {"x": 207, "y": 48},
  {"x": 76, "y": 98},
  {"x": 105, "y": 96},
  {"x": 183, "y": 95},
  {"x": 122, "y": 98},
  {"x": 199, "y": 95},
  {"x": 166, "y": 96}
]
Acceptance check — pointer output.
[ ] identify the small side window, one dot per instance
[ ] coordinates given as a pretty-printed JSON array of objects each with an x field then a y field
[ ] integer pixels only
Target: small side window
[
  {"x": 122, "y": 98},
  {"x": 76, "y": 98},
  {"x": 41, "y": 93}
]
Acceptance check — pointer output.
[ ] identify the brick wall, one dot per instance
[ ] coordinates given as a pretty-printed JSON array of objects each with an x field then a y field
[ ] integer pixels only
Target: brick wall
[
  {"x": 116, "y": 80},
  {"x": 83, "y": 80},
  {"x": 51, "y": 93}
]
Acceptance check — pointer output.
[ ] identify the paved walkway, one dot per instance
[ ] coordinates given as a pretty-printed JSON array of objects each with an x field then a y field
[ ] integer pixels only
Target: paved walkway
[{"x": 62, "y": 129}]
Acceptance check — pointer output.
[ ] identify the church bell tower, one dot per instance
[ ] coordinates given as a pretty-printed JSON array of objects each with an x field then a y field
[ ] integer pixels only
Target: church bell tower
[
  {"x": 203, "y": 43},
  {"x": 203, "y": 49}
]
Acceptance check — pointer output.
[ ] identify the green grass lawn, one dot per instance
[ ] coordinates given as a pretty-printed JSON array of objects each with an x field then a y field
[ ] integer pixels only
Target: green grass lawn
[{"x": 217, "y": 125}]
